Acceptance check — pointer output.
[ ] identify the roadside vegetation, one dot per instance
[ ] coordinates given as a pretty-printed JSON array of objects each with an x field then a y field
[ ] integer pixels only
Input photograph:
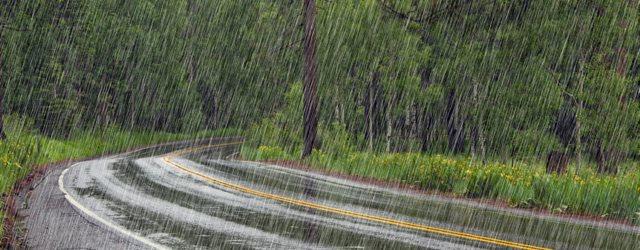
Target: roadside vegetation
[
  {"x": 519, "y": 181},
  {"x": 519, "y": 184},
  {"x": 25, "y": 150}
]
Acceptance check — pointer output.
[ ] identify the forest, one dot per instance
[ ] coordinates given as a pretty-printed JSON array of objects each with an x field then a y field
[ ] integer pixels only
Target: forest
[{"x": 550, "y": 85}]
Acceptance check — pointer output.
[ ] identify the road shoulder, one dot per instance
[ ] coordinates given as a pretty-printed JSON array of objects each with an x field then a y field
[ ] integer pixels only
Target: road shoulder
[{"x": 48, "y": 221}]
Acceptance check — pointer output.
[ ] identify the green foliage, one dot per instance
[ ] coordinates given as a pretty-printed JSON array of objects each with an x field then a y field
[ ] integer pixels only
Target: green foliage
[
  {"x": 283, "y": 128},
  {"x": 266, "y": 153},
  {"x": 16, "y": 157},
  {"x": 25, "y": 150},
  {"x": 610, "y": 116},
  {"x": 508, "y": 80},
  {"x": 165, "y": 65},
  {"x": 492, "y": 81},
  {"x": 518, "y": 184},
  {"x": 336, "y": 139}
]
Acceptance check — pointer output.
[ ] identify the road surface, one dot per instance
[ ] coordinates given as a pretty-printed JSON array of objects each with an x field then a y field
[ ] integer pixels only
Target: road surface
[{"x": 196, "y": 196}]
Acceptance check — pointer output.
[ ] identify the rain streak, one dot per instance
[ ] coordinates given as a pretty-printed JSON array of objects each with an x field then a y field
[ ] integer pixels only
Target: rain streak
[{"x": 320, "y": 124}]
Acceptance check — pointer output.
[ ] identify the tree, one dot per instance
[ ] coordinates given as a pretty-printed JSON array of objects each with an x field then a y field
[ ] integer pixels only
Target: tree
[
  {"x": 310, "y": 79},
  {"x": 7, "y": 9},
  {"x": 3, "y": 135}
]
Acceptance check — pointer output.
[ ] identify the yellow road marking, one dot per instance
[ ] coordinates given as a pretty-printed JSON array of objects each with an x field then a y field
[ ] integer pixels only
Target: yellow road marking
[{"x": 306, "y": 204}]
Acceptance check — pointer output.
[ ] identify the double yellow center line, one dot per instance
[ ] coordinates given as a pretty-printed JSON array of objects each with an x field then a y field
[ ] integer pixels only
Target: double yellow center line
[{"x": 302, "y": 203}]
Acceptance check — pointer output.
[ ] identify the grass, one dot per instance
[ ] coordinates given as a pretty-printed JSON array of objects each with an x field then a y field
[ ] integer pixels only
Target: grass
[
  {"x": 522, "y": 185},
  {"x": 24, "y": 150}
]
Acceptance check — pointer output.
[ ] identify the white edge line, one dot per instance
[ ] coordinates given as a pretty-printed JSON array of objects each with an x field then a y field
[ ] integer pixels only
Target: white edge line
[{"x": 94, "y": 216}]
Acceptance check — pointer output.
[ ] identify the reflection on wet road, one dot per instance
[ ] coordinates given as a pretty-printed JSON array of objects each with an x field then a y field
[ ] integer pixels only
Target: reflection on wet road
[{"x": 199, "y": 198}]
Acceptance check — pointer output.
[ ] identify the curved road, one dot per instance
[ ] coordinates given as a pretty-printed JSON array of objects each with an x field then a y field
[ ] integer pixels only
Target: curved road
[{"x": 197, "y": 196}]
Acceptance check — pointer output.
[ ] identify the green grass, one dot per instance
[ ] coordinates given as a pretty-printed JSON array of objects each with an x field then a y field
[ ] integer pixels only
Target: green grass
[
  {"x": 524, "y": 185},
  {"x": 23, "y": 150}
]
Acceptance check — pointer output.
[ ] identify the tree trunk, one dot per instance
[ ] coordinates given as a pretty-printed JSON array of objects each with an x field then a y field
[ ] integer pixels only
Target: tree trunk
[
  {"x": 455, "y": 124},
  {"x": 104, "y": 99},
  {"x": 369, "y": 109},
  {"x": 577, "y": 133},
  {"x": 3, "y": 135},
  {"x": 478, "y": 137},
  {"x": 342, "y": 111},
  {"x": 608, "y": 160},
  {"x": 310, "y": 79},
  {"x": 426, "y": 119},
  {"x": 370, "y": 118},
  {"x": 389, "y": 125},
  {"x": 481, "y": 140},
  {"x": 189, "y": 61},
  {"x": 557, "y": 162},
  {"x": 425, "y": 132},
  {"x": 412, "y": 120}
]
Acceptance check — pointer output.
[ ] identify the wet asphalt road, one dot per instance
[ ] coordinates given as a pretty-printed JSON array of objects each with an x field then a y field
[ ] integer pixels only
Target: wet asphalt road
[{"x": 165, "y": 198}]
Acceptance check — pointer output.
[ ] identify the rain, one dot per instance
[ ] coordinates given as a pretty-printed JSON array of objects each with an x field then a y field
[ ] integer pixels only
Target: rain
[{"x": 320, "y": 124}]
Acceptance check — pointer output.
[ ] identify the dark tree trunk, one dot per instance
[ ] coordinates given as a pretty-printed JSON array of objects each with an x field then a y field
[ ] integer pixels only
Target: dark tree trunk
[
  {"x": 390, "y": 122},
  {"x": 189, "y": 60},
  {"x": 3, "y": 135},
  {"x": 477, "y": 131},
  {"x": 370, "y": 107},
  {"x": 608, "y": 159},
  {"x": 557, "y": 162},
  {"x": 104, "y": 99},
  {"x": 310, "y": 79},
  {"x": 427, "y": 116},
  {"x": 211, "y": 110},
  {"x": 455, "y": 124},
  {"x": 425, "y": 132}
]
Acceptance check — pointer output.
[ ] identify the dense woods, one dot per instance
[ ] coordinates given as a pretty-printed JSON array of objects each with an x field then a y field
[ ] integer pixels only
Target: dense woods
[{"x": 518, "y": 79}]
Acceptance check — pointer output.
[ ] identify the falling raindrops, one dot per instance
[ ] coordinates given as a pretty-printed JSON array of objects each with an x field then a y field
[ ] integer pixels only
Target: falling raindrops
[{"x": 320, "y": 124}]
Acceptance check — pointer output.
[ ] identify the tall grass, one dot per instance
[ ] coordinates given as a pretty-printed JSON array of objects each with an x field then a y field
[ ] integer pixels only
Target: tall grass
[
  {"x": 523, "y": 185},
  {"x": 24, "y": 150}
]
